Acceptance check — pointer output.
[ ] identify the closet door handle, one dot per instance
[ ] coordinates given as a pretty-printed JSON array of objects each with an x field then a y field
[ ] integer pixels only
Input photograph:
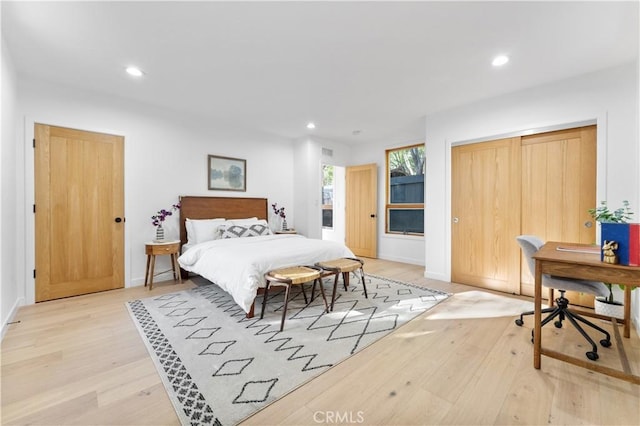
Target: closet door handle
[{"x": 119, "y": 219}]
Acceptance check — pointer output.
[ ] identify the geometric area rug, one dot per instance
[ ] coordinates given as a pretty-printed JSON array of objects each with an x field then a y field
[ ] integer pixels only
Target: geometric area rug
[{"x": 219, "y": 367}]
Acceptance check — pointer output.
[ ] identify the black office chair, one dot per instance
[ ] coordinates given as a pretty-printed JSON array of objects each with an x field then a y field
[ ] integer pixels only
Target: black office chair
[{"x": 530, "y": 245}]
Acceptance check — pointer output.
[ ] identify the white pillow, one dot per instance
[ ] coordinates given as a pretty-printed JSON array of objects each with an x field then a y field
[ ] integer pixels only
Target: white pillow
[
  {"x": 238, "y": 231},
  {"x": 244, "y": 222},
  {"x": 201, "y": 230}
]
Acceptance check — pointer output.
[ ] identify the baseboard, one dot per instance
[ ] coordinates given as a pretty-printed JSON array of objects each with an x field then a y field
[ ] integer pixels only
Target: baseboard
[
  {"x": 434, "y": 276},
  {"x": 11, "y": 316},
  {"x": 136, "y": 282},
  {"x": 165, "y": 276},
  {"x": 408, "y": 260}
]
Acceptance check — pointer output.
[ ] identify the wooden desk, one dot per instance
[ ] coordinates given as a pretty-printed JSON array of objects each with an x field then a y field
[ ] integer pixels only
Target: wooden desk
[
  {"x": 550, "y": 260},
  {"x": 172, "y": 248}
]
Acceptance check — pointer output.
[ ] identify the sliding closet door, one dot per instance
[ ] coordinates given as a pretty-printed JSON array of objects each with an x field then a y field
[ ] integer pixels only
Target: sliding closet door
[
  {"x": 485, "y": 205},
  {"x": 541, "y": 184},
  {"x": 558, "y": 188}
]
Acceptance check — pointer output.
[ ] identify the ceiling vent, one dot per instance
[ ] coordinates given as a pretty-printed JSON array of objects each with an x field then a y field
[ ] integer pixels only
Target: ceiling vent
[{"x": 327, "y": 152}]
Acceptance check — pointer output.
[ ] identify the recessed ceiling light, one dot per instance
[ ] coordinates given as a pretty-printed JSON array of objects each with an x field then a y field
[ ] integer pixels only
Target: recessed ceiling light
[
  {"x": 135, "y": 71},
  {"x": 499, "y": 61},
  {"x": 311, "y": 126}
]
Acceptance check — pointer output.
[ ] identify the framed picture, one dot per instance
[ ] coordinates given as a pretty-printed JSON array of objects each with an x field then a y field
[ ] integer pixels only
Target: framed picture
[{"x": 227, "y": 174}]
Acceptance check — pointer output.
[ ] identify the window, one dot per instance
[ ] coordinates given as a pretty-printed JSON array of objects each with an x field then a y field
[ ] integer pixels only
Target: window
[
  {"x": 327, "y": 196},
  {"x": 405, "y": 190}
]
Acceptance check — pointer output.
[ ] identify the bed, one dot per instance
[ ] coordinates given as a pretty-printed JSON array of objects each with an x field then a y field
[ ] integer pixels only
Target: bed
[{"x": 237, "y": 264}]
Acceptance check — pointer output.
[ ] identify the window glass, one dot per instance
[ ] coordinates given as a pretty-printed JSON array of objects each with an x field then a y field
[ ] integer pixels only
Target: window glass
[
  {"x": 406, "y": 221},
  {"x": 405, "y": 190}
]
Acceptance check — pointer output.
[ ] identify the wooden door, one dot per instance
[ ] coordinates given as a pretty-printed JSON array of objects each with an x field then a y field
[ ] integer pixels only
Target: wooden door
[
  {"x": 79, "y": 212},
  {"x": 361, "y": 209},
  {"x": 558, "y": 189},
  {"x": 485, "y": 205}
]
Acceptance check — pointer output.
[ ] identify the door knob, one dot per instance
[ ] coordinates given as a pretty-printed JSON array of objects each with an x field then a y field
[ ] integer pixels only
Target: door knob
[
  {"x": 118, "y": 219},
  {"x": 373, "y": 215},
  {"x": 588, "y": 224},
  {"x": 456, "y": 220}
]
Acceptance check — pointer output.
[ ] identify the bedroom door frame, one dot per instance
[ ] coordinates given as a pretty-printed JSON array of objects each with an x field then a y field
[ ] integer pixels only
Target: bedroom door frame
[
  {"x": 337, "y": 233},
  {"x": 26, "y": 261}
]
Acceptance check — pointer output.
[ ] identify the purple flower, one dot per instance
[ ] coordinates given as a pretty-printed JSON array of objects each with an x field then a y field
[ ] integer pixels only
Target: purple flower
[
  {"x": 278, "y": 211},
  {"x": 158, "y": 218}
]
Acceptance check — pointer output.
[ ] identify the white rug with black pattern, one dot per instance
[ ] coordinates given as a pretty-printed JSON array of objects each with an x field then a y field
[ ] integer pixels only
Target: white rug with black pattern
[{"x": 220, "y": 367}]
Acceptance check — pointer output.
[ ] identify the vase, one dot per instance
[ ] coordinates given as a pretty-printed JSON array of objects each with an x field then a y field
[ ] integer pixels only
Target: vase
[
  {"x": 284, "y": 225},
  {"x": 609, "y": 309},
  {"x": 159, "y": 233}
]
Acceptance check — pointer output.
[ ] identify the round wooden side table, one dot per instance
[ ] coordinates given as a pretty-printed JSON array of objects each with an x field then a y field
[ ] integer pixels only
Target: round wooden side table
[{"x": 153, "y": 249}]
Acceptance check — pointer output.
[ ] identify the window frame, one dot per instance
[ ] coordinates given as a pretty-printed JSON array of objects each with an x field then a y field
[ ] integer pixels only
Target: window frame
[{"x": 395, "y": 206}]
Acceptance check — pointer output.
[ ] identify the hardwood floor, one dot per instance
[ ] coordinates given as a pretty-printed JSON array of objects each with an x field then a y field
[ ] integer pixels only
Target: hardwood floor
[{"x": 81, "y": 361}]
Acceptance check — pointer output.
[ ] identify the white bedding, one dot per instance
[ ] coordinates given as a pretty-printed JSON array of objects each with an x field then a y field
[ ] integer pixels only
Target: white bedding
[{"x": 238, "y": 265}]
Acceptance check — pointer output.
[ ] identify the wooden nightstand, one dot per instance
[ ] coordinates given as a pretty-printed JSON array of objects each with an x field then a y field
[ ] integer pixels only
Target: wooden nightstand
[
  {"x": 288, "y": 231},
  {"x": 172, "y": 248}
]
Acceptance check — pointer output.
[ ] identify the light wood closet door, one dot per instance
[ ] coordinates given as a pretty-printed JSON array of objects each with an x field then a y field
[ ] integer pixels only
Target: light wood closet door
[
  {"x": 361, "y": 209},
  {"x": 558, "y": 187},
  {"x": 486, "y": 214},
  {"x": 79, "y": 223}
]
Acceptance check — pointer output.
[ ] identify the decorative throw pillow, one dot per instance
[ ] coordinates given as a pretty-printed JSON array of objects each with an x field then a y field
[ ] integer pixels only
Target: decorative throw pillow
[{"x": 238, "y": 231}]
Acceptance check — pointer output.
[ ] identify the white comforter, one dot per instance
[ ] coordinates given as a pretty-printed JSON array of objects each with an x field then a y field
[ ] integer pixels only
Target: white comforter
[{"x": 238, "y": 265}]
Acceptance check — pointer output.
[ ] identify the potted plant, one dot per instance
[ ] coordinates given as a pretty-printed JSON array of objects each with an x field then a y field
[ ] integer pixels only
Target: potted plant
[
  {"x": 608, "y": 306},
  {"x": 603, "y": 214},
  {"x": 614, "y": 227}
]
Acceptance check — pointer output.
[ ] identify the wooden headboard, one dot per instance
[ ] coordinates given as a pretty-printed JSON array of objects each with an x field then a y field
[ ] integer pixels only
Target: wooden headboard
[{"x": 194, "y": 207}]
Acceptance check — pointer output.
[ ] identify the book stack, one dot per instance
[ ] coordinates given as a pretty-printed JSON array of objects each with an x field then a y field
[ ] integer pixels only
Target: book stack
[{"x": 627, "y": 235}]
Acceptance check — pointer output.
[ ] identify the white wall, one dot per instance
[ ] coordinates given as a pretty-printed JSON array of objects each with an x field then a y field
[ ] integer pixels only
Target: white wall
[
  {"x": 308, "y": 156},
  {"x": 308, "y": 160},
  {"x": 341, "y": 155},
  {"x": 609, "y": 98},
  {"x": 308, "y": 163},
  {"x": 400, "y": 248},
  {"x": 165, "y": 157},
  {"x": 10, "y": 298},
  {"x": 305, "y": 186}
]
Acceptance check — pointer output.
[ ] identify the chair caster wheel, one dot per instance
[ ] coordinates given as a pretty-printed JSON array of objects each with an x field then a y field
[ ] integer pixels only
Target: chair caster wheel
[
  {"x": 605, "y": 343},
  {"x": 519, "y": 322},
  {"x": 558, "y": 324},
  {"x": 592, "y": 356}
]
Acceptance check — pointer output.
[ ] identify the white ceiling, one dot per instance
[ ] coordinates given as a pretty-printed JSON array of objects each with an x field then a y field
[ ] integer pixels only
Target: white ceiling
[{"x": 377, "y": 67}]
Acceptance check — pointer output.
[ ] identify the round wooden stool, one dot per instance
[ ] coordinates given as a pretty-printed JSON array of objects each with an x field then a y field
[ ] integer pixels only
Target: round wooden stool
[
  {"x": 342, "y": 266},
  {"x": 295, "y": 275}
]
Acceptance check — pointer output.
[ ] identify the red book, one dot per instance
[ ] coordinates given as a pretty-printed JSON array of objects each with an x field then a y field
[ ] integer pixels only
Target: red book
[{"x": 634, "y": 244}]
